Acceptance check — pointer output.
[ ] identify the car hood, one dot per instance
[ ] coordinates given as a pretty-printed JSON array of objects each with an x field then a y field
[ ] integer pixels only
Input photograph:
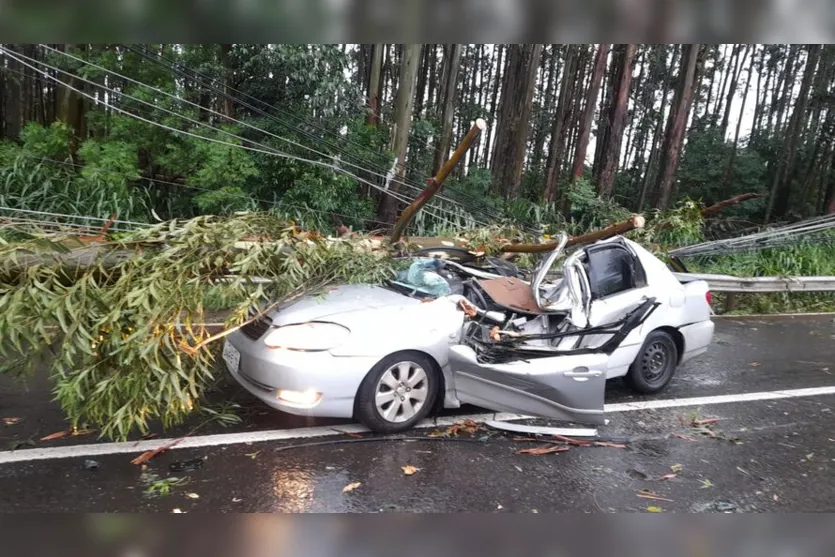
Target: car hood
[{"x": 338, "y": 300}]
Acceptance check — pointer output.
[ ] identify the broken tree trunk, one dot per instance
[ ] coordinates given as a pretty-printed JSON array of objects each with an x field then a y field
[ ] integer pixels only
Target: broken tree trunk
[
  {"x": 435, "y": 183},
  {"x": 713, "y": 209},
  {"x": 635, "y": 221}
]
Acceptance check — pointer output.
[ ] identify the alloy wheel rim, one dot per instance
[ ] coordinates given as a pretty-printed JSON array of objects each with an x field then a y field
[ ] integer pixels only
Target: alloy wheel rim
[{"x": 401, "y": 392}]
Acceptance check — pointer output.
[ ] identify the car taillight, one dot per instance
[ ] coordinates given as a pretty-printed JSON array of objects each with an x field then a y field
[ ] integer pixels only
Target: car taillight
[{"x": 709, "y": 298}]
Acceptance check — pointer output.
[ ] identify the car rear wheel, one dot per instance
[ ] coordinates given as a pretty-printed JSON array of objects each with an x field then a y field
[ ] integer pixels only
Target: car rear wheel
[
  {"x": 398, "y": 392},
  {"x": 655, "y": 365}
]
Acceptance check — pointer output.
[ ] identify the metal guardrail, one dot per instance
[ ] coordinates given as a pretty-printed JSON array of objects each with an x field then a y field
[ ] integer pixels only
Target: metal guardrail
[{"x": 727, "y": 283}]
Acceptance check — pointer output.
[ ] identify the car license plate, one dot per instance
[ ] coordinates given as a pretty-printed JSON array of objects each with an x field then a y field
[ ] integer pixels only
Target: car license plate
[{"x": 231, "y": 356}]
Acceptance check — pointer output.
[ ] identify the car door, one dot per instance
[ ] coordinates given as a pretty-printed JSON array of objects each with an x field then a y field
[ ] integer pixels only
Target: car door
[
  {"x": 618, "y": 285},
  {"x": 563, "y": 387},
  {"x": 616, "y": 279}
]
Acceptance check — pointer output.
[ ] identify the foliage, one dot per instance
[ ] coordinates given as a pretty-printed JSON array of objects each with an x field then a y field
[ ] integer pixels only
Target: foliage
[
  {"x": 588, "y": 211},
  {"x": 125, "y": 334},
  {"x": 52, "y": 184},
  {"x": 702, "y": 174}
]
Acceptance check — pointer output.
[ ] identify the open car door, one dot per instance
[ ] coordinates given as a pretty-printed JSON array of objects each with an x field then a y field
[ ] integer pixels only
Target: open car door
[{"x": 563, "y": 387}]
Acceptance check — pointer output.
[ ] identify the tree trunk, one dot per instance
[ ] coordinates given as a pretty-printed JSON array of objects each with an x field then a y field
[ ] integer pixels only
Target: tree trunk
[
  {"x": 228, "y": 104},
  {"x": 514, "y": 117},
  {"x": 731, "y": 159},
  {"x": 403, "y": 106},
  {"x": 375, "y": 85},
  {"x": 423, "y": 78},
  {"x": 588, "y": 112},
  {"x": 781, "y": 184},
  {"x": 12, "y": 123},
  {"x": 737, "y": 70},
  {"x": 555, "y": 149},
  {"x": 452, "y": 63},
  {"x": 602, "y": 137},
  {"x": 617, "y": 121},
  {"x": 494, "y": 113},
  {"x": 676, "y": 122},
  {"x": 72, "y": 108}
]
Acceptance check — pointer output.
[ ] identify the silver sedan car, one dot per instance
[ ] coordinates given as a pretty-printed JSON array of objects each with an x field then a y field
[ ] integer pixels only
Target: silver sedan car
[{"x": 444, "y": 333}]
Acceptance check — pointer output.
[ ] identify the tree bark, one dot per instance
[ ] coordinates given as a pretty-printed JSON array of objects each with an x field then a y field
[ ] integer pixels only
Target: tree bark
[
  {"x": 423, "y": 78},
  {"x": 732, "y": 158},
  {"x": 12, "y": 123},
  {"x": 494, "y": 113},
  {"x": 555, "y": 148},
  {"x": 676, "y": 122},
  {"x": 778, "y": 201},
  {"x": 588, "y": 112},
  {"x": 452, "y": 64},
  {"x": 617, "y": 121},
  {"x": 375, "y": 85},
  {"x": 739, "y": 62},
  {"x": 514, "y": 117},
  {"x": 404, "y": 104},
  {"x": 228, "y": 79}
]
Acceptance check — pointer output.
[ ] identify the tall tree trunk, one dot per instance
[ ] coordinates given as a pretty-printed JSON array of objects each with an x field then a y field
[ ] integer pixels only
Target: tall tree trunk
[
  {"x": 452, "y": 63},
  {"x": 555, "y": 149},
  {"x": 617, "y": 121},
  {"x": 738, "y": 63},
  {"x": 602, "y": 137},
  {"x": 375, "y": 85},
  {"x": 732, "y": 157},
  {"x": 778, "y": 201},
  {"x": 514, "y": 117},
  {"x": 423, "y": 78},
  {"x": 433, "y": 77},
  {"x": 588, "y": 112},
  {"x": 12, "y": 122},
  {"x": 228, "y": 80},
  {"x": 72, "y": 108},
  {"x": 494, "y": 112},
  {"x": 652, "y": 163},
  {"x": 676, "y": 122},
  {"x": 404, "y": 103},
  {"x": 541, "y": 132}
]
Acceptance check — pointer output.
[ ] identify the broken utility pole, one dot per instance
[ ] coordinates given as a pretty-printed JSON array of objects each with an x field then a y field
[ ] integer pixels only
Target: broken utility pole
[{"x": 435, "y": 183}]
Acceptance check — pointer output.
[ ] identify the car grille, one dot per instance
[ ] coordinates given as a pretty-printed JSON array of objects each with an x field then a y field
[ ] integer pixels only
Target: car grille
[{"x": 257, "y": 328}]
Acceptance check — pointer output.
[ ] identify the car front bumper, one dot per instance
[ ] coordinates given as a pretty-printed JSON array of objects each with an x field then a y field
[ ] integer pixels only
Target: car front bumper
[{"x": 264, "y": 371}]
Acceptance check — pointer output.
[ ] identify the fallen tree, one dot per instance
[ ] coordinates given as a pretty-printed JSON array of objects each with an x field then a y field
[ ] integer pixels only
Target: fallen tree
[{"x": 121, "y": 321}]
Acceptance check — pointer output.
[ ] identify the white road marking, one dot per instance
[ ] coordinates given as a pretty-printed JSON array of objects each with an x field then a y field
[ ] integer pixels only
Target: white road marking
[{"x": 100, "y": 449}]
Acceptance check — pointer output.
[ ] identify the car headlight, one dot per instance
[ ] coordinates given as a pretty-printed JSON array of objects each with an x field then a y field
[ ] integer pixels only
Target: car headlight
[{"x": 310, "y": 337}]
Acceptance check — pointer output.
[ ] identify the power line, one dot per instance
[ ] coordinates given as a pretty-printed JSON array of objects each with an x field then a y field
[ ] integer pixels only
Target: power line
[
  {"x": 240, "y": 138},
  {"x": 272, "y": 203},
  {"x": 172, "y": 65},
  {"x": 268, "y": 151}
]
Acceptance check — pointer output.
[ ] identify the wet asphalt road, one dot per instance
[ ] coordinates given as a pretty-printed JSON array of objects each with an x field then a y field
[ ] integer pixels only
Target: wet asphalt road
[{"x": 762, "y": 456}]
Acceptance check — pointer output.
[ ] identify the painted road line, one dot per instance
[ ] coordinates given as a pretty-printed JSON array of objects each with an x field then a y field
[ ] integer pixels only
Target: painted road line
[{"x": 136, "y": 447}]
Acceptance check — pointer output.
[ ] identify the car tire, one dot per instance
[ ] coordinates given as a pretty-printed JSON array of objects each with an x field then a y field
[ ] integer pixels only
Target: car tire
[
  {"x": 381, "y": 402},
  {"x": 655, "y": 365}
]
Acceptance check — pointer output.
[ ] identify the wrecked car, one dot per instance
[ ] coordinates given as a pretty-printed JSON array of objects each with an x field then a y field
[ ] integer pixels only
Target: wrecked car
[{"x": 442, "y": 334}]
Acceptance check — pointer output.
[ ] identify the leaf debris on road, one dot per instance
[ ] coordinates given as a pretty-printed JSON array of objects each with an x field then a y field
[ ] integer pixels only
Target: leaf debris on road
[
  {"x": 153, "y": 453},
  {"x": 647, "y": 494},
  {"x": 545, "y": 450},
  {"x": 351, "y": 487},
  {"x": 12, "y": 420},
  {"x": 409, "y": 470},
  {"x": 67, "y": 433}
]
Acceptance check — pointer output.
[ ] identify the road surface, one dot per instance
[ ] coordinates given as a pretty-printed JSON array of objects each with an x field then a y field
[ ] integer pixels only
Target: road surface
[{"x": 769, "y": 382}]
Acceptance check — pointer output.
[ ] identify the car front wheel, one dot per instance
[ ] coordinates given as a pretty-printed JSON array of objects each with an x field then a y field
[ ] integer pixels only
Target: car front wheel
[
  {"x": 398, "y": 392},
  {"x": 653, "y": 369}
]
